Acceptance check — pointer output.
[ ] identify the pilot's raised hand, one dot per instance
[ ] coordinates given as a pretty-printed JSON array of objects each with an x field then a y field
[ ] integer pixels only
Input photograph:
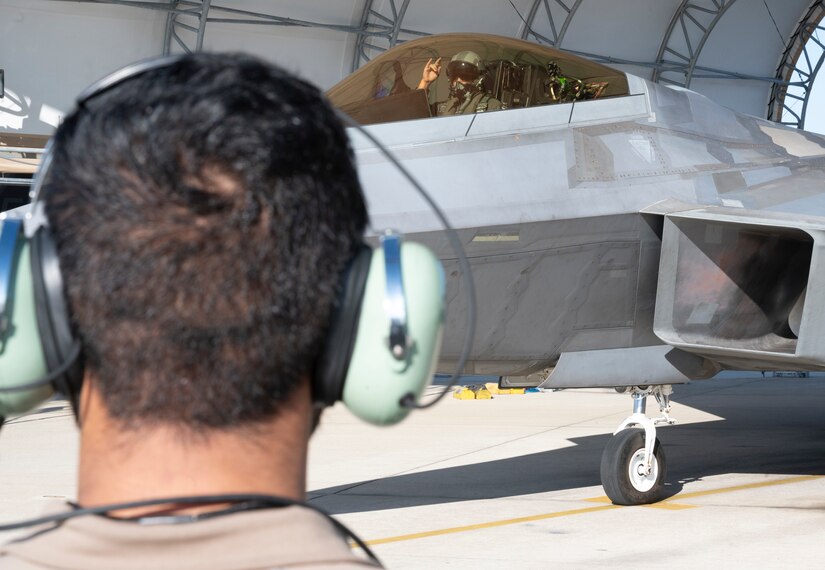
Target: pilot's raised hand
[{"x": 431, "y": 71}]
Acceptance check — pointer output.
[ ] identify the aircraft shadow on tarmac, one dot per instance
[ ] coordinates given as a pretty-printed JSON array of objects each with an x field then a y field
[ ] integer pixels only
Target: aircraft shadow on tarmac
[{"x": 772, "y": 426}]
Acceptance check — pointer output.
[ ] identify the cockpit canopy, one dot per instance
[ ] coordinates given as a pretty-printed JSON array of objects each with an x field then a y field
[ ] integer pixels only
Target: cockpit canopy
[{"x": 513, "y": 74}]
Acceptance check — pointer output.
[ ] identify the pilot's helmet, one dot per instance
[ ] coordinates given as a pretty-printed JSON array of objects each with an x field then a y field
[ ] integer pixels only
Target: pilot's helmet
[{"x": 465, "y": 65}]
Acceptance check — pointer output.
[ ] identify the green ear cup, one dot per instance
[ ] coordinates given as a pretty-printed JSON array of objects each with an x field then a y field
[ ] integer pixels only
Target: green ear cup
[
  {"x": 376, "y": 381},
  {"x": 21, "y": 355}
]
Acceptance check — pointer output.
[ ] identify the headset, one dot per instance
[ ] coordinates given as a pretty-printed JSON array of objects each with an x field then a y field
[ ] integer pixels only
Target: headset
[{"x": 381, "y": 350}]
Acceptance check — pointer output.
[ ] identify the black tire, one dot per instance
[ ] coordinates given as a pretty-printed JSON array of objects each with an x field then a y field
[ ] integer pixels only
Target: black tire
[{"x": 622, "y": 450}]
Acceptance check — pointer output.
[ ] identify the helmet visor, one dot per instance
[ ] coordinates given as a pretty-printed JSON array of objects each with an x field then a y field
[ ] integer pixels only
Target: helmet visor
[{"x": 462, "y": 70}]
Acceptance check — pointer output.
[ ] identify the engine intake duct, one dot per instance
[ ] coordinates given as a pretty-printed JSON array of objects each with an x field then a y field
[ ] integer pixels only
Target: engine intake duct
[{"x": 732, "y": 287}]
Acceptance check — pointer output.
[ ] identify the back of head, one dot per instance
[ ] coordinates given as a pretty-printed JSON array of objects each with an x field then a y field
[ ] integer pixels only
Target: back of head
[{"x": 203, "y": 212}]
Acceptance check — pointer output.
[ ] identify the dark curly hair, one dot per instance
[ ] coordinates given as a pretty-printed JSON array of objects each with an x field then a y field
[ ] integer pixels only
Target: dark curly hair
[{"x": 203, "y": 212}]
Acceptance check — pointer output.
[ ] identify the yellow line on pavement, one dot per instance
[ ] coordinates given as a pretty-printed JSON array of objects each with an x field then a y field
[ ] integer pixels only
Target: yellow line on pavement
[
  {"x": 671, "y": 505},
  {"x": 666, "y": 504},
  {"x": 771, "y": 483},
  {"x": 490, "y": 524}
]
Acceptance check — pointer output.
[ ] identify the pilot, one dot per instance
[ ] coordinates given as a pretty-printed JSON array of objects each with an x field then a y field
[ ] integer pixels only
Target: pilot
[{"x": 467, "y": 94}]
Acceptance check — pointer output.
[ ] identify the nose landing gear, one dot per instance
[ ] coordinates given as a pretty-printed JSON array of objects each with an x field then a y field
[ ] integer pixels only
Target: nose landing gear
[{"x": 633, "y": 464}]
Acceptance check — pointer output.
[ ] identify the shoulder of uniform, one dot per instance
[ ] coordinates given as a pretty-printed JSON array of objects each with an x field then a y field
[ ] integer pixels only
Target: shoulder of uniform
[{"x": 306, "y": 539}]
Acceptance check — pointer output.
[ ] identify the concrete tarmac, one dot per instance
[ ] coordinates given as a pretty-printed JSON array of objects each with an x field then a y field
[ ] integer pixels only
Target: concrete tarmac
[{"x": 513, "y": 482}]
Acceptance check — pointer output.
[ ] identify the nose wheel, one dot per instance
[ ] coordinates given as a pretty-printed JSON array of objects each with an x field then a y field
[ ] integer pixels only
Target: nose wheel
[
  {"x": 625, "y": 476},
  {"x": 633, "y": 465}
]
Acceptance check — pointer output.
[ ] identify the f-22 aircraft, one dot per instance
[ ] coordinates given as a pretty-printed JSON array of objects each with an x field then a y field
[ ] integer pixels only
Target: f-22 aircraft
[{"x": 621, "y": 233}]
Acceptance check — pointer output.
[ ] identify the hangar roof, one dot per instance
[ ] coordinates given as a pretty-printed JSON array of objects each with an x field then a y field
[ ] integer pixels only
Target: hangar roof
[{"x": 740, "y": 53}]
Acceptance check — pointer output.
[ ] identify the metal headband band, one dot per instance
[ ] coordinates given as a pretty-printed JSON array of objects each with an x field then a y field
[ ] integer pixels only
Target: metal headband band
[{"x": 395, "y": 301}]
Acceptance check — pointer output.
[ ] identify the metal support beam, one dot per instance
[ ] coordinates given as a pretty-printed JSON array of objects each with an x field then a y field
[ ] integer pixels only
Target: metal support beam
[
  {"x": 689, "y": 29},
  {"x": 798, "y": 68},
  {"x": 380, "y": 30},
  {"x": 186, "y": 25},
  {"x": 556, "y": 11}
]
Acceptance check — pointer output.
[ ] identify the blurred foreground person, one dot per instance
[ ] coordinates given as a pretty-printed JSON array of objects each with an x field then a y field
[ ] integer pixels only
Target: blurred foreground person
[{"x": 204, "y": 211}]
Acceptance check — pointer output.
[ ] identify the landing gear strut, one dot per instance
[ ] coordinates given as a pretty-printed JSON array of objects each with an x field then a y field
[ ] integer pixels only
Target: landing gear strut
[{"x": 633, "y": 463}]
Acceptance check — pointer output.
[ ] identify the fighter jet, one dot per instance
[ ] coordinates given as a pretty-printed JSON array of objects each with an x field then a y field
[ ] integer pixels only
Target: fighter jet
[{"x": 621, "y": 233}]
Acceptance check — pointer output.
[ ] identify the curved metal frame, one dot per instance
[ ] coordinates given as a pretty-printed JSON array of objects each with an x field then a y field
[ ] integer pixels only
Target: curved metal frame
[
  {"x": 179, "y": 12},
  {"x": 792, "y": 79},
  {"x": 558, "y": 36},
  {"x": 380, "y": 28},
  {"x": 695, "y": 20},
  {"x": 375, "y": 25}
]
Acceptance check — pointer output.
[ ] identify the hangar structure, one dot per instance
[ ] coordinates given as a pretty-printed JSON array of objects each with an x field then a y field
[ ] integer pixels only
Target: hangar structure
[
  {"x": 681, "y": 34},
  {"x": 760, "y": 57},
  {"x": 757, "y": 56}
]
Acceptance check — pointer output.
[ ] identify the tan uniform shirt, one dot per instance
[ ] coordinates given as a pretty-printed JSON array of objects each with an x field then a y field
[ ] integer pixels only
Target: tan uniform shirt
[{"x": 291, "y": 537}]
